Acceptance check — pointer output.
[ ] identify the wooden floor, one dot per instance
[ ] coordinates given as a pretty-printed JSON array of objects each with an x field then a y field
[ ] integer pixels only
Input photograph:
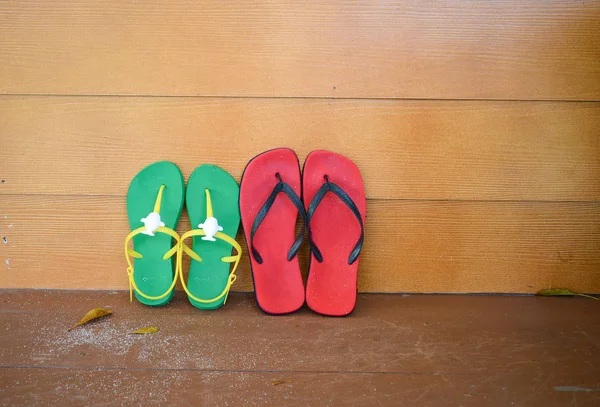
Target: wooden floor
[{"x": 393, "y": 350}]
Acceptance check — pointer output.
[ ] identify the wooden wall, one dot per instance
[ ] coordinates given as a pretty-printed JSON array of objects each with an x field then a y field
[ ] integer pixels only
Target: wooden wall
[{"x": 476, "y": 126}]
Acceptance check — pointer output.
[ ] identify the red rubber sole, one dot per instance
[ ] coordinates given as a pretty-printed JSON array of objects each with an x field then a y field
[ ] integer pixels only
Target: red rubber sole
[
  {"x": 331, "y": 286},
  {"x": 278, "y": 282}
]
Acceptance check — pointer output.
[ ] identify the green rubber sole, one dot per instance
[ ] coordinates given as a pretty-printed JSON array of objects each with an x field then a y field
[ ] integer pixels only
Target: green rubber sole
[
  {"x": 207, "y": 279},
  {"x": 152, "y": 274}
]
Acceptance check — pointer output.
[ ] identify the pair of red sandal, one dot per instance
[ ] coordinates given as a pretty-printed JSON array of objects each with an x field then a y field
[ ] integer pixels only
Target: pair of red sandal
[{"x": 329, "y": 197}]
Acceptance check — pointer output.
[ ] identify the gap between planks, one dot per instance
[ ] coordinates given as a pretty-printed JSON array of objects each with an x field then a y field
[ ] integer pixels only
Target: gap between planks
[
  {"x": 292, "y": 97},
  {"x": 459, "y": 200}
]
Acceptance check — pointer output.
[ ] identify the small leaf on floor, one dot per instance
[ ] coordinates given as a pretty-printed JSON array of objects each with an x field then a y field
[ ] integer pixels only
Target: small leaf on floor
[
  {"x": 554, "y": 292},
  {"x": 92, "y": 315},
  {"x": 146, "y": 330},
  {"x": 278, "y": 382}
]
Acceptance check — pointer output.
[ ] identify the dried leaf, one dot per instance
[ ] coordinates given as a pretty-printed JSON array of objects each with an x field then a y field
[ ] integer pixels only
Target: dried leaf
[
  {"x": 554, "y": 292},
  {"x": 146, "y": 330},
  {"x": 278, "y": 382},
  {"x": 92, "y": 315},
  {"x": 551, "y": 292}
]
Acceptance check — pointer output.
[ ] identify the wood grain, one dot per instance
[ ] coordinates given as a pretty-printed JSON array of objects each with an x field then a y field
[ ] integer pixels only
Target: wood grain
[
  {"x": 80, "y": 387},
  {"x": 411, "y": 246},
  {"x": 424, "y": 150},
  {"x": 534, "y": 49},
  {"x": 408, "y": 350}
]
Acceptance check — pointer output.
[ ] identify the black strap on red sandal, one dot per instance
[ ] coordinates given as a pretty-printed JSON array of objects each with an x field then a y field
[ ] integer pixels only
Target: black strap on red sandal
[
  {"x": 286, "y": 189},
  {"x": 329, "y": 186}
]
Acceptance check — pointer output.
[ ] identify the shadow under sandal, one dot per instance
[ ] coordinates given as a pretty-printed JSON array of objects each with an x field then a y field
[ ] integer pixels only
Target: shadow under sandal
[
  {"x": 154, "y": 204},
  {"x": 212, "y": 203},
  {"x": 269, "y": 206},
  {"x": 335, "y": 203}
]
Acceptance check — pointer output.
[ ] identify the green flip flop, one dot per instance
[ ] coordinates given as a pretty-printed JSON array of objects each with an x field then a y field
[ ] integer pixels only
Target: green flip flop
[
  {"x": 154, "y": 204},
  {"x": 212, "y": 203}
]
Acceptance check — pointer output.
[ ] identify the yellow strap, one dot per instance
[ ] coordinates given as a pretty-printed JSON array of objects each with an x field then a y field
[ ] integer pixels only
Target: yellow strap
[
  {"x": 189, "y": 251},
  {"x": 226, "y": 259},
  {"x": 133, "y": 253},
  {"x": 209, "y": 211},
  {"x": 130, "y": 269},
  {"x": 159, "y": 199}
]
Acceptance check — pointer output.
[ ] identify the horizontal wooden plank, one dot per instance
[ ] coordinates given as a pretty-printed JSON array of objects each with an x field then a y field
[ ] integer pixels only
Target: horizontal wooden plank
[
  {"x": 533, "y": 49},
  {"x": 394, "y": 350},
  {"x": 411, "y": 246},
  {"x": 80, "y": 387},
  {"x": 424, "y": 150}
]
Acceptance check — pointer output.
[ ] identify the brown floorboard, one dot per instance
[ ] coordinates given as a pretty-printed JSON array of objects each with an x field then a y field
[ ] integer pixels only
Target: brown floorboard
[
  {"x": 394, "y": 350},
  {"x": 127, "y": 387}
]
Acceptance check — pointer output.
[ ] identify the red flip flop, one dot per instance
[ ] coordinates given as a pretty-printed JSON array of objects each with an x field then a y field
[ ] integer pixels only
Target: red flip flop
[
  {"x": 269, "y": 205},
  {"x": 335, "y": 201}
]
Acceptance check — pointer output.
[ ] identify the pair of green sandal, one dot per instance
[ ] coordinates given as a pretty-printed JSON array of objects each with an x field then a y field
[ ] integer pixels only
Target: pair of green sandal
[{"x": 154, "y": 203}]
